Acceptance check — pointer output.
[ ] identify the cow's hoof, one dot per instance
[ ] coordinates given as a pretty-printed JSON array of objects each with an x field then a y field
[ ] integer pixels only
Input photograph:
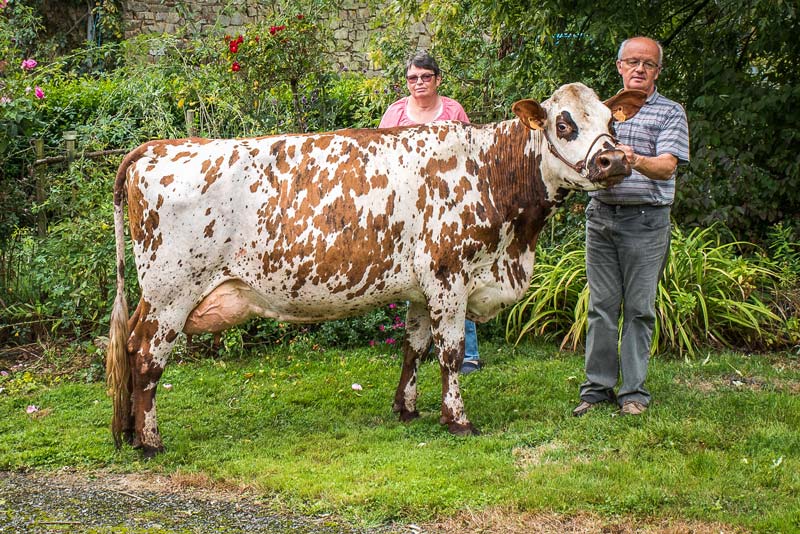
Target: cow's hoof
[
  {"x": 463, "y": 430},
  {"x": 148, "y": 453},
  {"x": 406, "y": 416}
]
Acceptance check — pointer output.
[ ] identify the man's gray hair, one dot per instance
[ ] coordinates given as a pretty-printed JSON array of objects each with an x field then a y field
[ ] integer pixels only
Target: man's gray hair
[{"x": 660, "y": 49}]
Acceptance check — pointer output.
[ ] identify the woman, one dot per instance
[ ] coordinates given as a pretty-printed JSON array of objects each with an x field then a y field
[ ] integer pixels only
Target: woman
[{"x": 423, "y": 105}]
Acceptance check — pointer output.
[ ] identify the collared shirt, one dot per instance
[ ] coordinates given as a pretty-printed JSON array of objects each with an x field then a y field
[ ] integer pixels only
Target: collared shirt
[
  {"x": 660, "y": 127},
  {"x": 397, "y": 115}
]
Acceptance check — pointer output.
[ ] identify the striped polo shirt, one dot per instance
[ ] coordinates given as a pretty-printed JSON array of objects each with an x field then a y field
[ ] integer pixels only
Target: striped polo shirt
[{"x": 660, "y": 127}]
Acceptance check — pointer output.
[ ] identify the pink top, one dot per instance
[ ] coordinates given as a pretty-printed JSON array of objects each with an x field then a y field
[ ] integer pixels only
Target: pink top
[{"x": 396, "y": 114}]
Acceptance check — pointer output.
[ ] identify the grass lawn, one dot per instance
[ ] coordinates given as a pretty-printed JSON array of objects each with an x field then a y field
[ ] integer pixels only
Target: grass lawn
[{"x": 720, "y": 443}]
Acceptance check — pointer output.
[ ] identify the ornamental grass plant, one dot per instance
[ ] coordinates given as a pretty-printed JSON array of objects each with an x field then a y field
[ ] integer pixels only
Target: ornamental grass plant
[{"x": 715, "y": 292}]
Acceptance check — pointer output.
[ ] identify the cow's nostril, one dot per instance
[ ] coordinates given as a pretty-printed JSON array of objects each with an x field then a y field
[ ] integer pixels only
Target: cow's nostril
[{"x": 603, "y": 162}]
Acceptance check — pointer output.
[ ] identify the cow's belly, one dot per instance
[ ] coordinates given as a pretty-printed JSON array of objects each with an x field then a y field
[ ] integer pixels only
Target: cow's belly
[{"x": 234, "y": 301}]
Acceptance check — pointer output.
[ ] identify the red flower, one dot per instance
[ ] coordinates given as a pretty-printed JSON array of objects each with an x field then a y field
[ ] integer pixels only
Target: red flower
[
  {"x": 234, "y": 46},
  {"x": 273, "y": 30},
  {"x": 240, "y": 39},
  {"x": 300, "y": 17},
  {"x": 236, "y": 67}
]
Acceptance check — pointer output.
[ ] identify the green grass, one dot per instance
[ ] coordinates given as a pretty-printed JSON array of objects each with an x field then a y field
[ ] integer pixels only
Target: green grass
[{"x": 720, "y": 442}]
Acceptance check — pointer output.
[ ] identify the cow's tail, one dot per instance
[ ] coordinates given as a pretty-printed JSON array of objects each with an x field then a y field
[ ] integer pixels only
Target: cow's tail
[{"x": 118, "y": 370}]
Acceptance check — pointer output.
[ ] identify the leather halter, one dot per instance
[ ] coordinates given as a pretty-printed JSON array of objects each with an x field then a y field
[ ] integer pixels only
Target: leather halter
[{"x": 578, "y": 166}]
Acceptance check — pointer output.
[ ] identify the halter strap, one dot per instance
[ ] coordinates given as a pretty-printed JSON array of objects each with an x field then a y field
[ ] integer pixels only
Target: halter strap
[{"x": 578, "y": 166}]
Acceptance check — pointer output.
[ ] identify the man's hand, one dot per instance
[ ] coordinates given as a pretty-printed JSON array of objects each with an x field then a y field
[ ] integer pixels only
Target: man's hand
[{"x": 660, "y": 167}]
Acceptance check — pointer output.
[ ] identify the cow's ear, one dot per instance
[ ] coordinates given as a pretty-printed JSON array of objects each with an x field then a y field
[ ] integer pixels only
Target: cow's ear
[
  {"x": 530, "y": 113},
  {"x": 626, "y": 104}
]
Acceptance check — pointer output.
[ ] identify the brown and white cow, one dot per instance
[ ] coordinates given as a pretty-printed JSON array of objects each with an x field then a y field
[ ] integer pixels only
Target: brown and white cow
[{"x": 308, "y": 228}]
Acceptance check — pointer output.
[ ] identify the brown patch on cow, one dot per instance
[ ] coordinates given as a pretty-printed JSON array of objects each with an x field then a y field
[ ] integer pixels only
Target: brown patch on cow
[
  {"x": 278, "y": 151},
  {"x": 159, "y": 201},
  {"x": 213, "y": 173},
  {"x": 208, "y": 211},
  {"x": 184, "y": 154},
  {"x": 168, "y": 179},
  {"x": 379, "y": 181},
  {"x": 205, "y": 166},
  {"x": 234, "y": 157},
  {"x": 209, "y": 229},
  {"x": 254, "y": 186},
  {"x": 160, "y": 150}
]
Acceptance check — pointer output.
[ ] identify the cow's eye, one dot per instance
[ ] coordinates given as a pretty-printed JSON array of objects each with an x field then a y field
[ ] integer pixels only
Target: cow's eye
[{"x": 565, "y": 128}]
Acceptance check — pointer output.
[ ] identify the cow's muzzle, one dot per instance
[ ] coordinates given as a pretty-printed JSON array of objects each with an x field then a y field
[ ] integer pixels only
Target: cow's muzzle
[{"x": 609, "y": 167}]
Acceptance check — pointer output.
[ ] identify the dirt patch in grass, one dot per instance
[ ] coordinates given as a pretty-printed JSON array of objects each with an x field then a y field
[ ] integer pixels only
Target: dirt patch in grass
[
  {"x": 75, "y": 502},
  {"x": 497, "y": 521},
  {"x": 739, "y": 382}
]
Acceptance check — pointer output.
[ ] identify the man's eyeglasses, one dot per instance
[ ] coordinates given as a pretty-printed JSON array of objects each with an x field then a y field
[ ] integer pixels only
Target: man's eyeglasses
[
  {"x": 634, "y": 63},
  {"x": 424, "y": 77}
]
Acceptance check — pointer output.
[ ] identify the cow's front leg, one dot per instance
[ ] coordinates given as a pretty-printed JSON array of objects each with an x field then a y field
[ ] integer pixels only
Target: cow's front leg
[
  {"x": 416, "y": 344},
  {"x": 448, "y": 336}
]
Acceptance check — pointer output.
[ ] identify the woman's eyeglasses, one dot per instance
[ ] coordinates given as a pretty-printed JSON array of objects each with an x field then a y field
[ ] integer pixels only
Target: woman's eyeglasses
[{"x": 424, "y": 77}]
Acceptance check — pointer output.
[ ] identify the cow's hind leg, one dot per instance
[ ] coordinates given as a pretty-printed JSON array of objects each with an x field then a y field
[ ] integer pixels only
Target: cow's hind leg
[
  {"x": 152, "y": 338},
  {"x": 416, "y": 344}
]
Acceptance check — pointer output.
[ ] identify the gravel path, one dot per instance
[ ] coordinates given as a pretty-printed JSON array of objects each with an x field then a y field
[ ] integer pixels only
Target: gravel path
[{"x": 132, "y": 504}]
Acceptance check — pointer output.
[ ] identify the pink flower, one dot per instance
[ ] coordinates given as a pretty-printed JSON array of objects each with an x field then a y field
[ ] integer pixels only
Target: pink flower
[
  {"x": 32, "y": 408},
  {"x": 357, "y": 387},
  {"x": 392, "y": 306},
  {"x": 29, "y": 64},
  {"x": 390, "y": 341},
  {"x": 4, "y": 100},
  {"x": 38, "y": 92},
  {"x": 4, "y": 373},
  {"x": 3, "y": 3},
  {"x": 381, "y": 328}
]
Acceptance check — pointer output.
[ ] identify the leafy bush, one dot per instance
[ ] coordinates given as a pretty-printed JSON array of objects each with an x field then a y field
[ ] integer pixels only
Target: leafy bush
[{"x": 712, "y": 293}]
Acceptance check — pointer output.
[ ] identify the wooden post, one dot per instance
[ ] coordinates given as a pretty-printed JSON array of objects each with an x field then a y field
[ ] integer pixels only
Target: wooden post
[
  {"x": 41, "y": 216},
  {"x": 191, "y": 131},
  {"x": 69, "y": 144}
]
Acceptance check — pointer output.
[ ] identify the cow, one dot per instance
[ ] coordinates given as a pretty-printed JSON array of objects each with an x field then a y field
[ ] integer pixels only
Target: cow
[{"x": 314, "y": 227}]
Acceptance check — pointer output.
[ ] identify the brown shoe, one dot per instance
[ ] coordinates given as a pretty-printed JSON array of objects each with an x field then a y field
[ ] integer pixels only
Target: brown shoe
[
  {"x": 583, "y": 408},
  {"x": 633, "y": 408}
]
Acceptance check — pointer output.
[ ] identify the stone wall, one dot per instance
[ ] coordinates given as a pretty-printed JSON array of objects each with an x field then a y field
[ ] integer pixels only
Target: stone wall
[{"x": 352, "y": 26}]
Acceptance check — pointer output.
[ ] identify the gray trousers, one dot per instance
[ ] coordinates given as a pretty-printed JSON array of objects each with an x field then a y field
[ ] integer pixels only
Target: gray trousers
[{"x": 626, "y": 251}]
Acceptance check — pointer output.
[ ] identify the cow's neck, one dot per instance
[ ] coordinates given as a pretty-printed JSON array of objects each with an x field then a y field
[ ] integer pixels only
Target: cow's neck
[{"x": 514, "y": 176}]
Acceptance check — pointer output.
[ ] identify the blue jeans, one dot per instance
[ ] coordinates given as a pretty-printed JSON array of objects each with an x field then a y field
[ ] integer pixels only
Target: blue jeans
[
  {"x": 626, "y": 251},
  {"x": 470, "y": 341}
]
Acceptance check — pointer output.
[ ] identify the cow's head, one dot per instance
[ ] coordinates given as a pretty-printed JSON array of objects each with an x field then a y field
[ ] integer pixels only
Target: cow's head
[{"x": 578, "y": 134}]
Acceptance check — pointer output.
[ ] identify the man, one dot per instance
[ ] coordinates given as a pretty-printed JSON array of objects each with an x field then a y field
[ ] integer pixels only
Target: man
[{"x": 627, "y": 238}]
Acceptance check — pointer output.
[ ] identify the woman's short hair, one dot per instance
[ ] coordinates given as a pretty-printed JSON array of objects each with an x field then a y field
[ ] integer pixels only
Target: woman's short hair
[{"x": 423, "y": 60}]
